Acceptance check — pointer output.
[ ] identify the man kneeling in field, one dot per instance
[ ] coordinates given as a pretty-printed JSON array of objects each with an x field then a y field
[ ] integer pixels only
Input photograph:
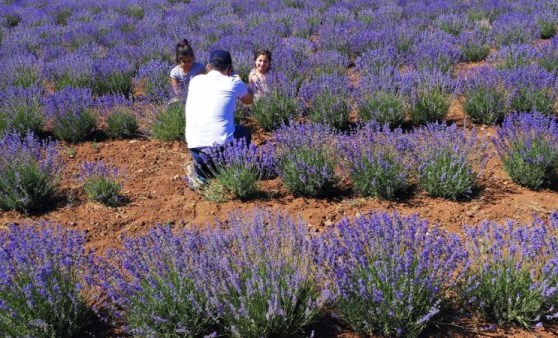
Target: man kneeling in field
[{"x": 210, "y": 112}]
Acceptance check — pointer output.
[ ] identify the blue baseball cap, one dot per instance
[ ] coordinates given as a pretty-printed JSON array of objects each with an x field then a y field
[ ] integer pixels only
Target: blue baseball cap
[{"x": 220, "y": 58}]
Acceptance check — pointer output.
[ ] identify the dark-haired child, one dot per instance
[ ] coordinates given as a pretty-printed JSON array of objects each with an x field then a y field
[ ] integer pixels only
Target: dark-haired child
[
  {"x": 257, "y": 76},
  {"x": 187, "y": 67}
]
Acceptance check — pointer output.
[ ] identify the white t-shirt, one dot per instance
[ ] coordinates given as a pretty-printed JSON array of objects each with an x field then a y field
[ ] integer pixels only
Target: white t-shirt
[
  {"x": 210, "y": 109},
  {"x": 178, "y": 74}
]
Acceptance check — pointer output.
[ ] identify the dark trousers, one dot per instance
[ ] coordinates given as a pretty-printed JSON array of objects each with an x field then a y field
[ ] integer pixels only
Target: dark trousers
[{"x": 202, "y": 168}]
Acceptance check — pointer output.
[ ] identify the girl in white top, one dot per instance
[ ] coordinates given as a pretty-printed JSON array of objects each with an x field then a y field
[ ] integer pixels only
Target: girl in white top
[
  {"x": 257, "y": 77},
  {"x": 185, "y": 70}
]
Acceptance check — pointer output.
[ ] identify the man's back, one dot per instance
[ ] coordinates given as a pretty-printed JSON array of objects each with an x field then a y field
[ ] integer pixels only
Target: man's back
[{"x": 210, "y": 109}]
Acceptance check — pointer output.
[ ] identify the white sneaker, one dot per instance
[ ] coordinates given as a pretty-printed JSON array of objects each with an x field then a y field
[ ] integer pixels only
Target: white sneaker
[{"x": 194, "y": 181}]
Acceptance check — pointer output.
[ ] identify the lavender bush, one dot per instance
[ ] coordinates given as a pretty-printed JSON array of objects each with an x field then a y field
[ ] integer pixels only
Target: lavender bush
[
  {"x": 453, "y": 24},
  {"x": 383, "y": 107},
  {"x": 528, "y": 147},
  {"x": 152, "y": 80},
  {"x": 376, "y": 62},
  {"x": 278, "y": 105},
  {"x": 305, "y": 161},
  {"x": 71, "y": 117},
  {"x": 514, "y": 56},
  {"x": 73, "y": 70},
  {"x": 326, "y": 62},
  {"x": 485, "y": 102},
  {"x": 547, "y": 22},
  {"x": 326, "y": 100},
  {"x": 514, "y": 28},
  {"x": 531, "y": 88},
  {"x": 170, "y": 123},
  {"x": 21, "y": 110},
  {"x": 21, "y": 70},
  {"x": 548, "y": 56},
  {"x": 474, "y": 45},
  {"x": 379, "y": 98},
  {"x": 391, "y": 273},
  {"x": 101, "y": 182},
  {"x": 512, "y": 276},
  {"x": 41, "y": 281},
  {"x": 238, "y": 167},
  {"x": 159, "y": 284},
  {"x": 436, "y": 51},
  {"x": 266, "y": 278},
  {"x": 122, "y": 124},
  {"x": 376, "y": 161},
  {"x": 447, "y": 156},
  {"x": 429, "y": 94},
  {"x": 28, "y": 172},
  {"x": 112, "y": 76}
]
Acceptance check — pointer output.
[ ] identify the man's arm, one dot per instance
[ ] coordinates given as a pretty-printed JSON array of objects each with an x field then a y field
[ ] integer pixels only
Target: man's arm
[{"x": 248, "y": 98}]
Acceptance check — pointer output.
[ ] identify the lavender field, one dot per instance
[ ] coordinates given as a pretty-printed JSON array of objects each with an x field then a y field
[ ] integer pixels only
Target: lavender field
[{"x": 370, "y": 104}]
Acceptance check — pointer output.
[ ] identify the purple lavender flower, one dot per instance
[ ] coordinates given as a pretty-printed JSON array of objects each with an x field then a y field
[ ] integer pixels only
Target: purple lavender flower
[
  {"x": 512, "y": 273},
  {"x": 547, "y": 56},
  {"x": 277, "y": 104},
  {"x": 453, "y": 24},
  {"x": 21, "y": 110},
  {"x": 447, "y": 157},
  {"x": 69, "y": 110},
  {"x": 474, "y": 45},
  {"x": 325, "y": 99},
  {"x": 305, "y": 161},
  {"x": 429, "y": 94},
  {"x": 435, "y": 50},
  {"x": 238, "y": 167},
  {"x": 71, "y": 70},
  {"x": 41, "y": 278},
  {"x": 326, "y": 62},
  {"x": 379, "y": 97},
  {"x": 152, "y": 80},
  {"x": 391, "y": 273},
  {"x": 514, "y": 56},
  {"x": 377, "y": 161},
  {"x": 20, "y": 70},
  {"x": 101, "y": 182},
  {"x": 485, "y": 101},
  {"x": 159, "y": 283},
  {"x": 528, "y": 147},
  {"x": 265, "y": 275},
  {"x": 531, "y": 88},
  {"x": 29, "y": 171},
  {"x": 374, "y": 62},
  {"x": 513, "y": 28},
  {"x": 112, "y": 76}
]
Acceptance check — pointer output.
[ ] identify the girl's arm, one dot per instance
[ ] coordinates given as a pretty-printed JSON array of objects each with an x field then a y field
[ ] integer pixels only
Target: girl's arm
[
  {"x": 176, "y": 86},
  {"x": 252, "y": 80}
]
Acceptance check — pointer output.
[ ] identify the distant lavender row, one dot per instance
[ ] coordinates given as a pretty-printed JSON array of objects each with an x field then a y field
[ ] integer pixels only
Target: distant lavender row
[
  {"x": 388, "y": 96},
  {"x": 126, "y": 47},
  {"x": 261, "y": 274}
]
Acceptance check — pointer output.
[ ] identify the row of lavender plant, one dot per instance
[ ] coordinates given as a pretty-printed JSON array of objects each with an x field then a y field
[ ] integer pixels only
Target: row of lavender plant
[
  {"x": 443, "y": 160},
  {"x": 312, "y": 159},
  {"x": 386, "y": 96},
  {"x": 260, "y": 274},
  {"x": 113, "y": 47}
]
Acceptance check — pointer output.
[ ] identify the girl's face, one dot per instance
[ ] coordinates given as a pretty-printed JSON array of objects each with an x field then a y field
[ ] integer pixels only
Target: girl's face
[
  {"x": 186, "y": 62},
  {"x": 262, "y": 63}
]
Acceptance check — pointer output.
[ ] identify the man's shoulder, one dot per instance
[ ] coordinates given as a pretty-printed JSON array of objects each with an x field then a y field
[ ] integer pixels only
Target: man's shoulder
[{"x": 198, "y": 78}]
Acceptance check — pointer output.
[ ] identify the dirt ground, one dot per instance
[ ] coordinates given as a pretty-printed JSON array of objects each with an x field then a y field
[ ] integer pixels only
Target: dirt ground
[{"x": 155, "y": 192}]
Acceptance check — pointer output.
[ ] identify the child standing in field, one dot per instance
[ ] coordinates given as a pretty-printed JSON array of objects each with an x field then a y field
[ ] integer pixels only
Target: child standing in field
[
  {"x": 185, "y": 70},
  {"x": 257, "y": 76}
]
